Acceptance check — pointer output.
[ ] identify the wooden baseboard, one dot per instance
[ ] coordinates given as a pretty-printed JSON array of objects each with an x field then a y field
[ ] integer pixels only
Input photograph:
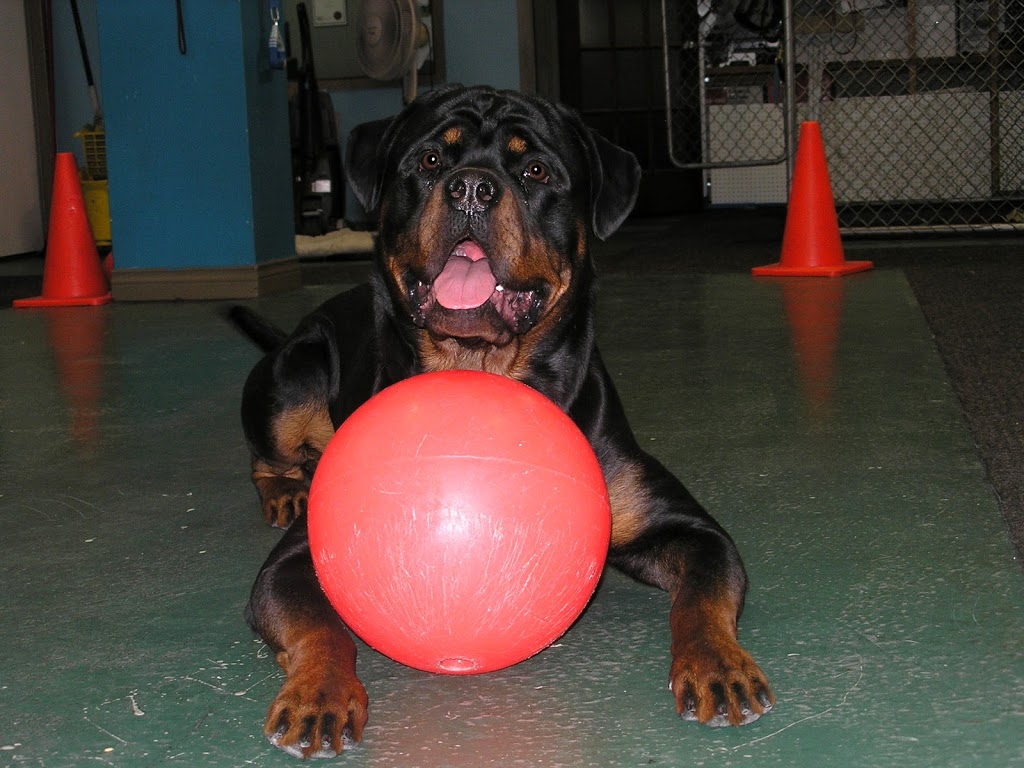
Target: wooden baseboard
[{"x": 206, "y": 283}]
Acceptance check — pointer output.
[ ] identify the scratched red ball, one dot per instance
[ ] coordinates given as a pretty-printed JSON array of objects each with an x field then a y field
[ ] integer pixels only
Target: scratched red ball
[{"x": 459, "y": 522}]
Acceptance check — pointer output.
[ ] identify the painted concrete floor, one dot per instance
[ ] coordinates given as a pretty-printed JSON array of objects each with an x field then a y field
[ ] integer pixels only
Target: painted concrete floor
[{"x": 885, "y": 603}]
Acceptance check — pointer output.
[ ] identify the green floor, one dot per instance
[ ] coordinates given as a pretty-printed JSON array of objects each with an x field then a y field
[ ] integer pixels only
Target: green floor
[{"x": 885, "y": 603}]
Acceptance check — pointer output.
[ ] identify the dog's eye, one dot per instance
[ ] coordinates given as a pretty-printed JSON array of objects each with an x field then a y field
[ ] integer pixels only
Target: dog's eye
[
  {"x": 430, "y": 161},
  {"x": 537, "y": 172}
]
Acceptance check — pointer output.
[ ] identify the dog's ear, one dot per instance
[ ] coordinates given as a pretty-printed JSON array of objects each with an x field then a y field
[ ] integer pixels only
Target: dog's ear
[
  {"x": 614, "y": 183},
  {"x": 364, "y": 161},
  {"x": 370, "y": 145}
]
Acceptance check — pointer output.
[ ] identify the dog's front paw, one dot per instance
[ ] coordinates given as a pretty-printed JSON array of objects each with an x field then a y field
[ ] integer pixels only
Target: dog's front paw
[
  {"x": 283, "y": 499},
  {"x": 719, "y": 684},
  {"x": 317, "y": 717}
]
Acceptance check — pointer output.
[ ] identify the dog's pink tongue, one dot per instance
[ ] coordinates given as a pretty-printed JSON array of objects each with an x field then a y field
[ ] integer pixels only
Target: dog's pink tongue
[{"x": 466, "y": 281}]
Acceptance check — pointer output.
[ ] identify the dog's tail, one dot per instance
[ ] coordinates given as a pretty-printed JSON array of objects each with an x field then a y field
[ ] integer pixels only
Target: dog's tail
[{"x": 255, "y": 327}]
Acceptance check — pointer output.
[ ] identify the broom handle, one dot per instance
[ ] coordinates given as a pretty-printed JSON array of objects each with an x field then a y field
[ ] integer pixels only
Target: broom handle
[{"x": 93, "y": 94}]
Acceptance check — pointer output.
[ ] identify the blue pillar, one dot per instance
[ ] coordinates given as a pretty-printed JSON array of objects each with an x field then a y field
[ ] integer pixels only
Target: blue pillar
[{"x": 197, "y": 151}]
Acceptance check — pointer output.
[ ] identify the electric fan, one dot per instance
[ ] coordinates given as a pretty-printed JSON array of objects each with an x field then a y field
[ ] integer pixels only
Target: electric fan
[{"x": 393, "y": 42}]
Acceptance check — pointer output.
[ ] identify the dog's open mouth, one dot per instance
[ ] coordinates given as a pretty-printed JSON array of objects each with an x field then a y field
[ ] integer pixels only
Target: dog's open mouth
[
  {"x": 467, "y": 284},
  {"x": 466, "y": 281}
]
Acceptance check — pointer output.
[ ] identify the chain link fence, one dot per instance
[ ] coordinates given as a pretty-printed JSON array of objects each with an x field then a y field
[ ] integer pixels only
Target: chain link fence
[{"x": 921, "y": 105}]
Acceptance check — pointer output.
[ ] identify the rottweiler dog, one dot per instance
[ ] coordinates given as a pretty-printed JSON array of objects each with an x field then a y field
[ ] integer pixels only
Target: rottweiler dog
[{"x": 486, "y": 204}]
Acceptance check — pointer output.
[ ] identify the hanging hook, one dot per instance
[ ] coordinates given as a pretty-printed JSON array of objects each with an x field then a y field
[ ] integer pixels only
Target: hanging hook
[
  {"x": 276, "y": 47},
  {"x": 182, "y": 43}
]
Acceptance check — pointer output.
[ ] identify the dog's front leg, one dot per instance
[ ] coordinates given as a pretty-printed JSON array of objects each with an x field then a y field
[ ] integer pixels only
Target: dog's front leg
[
  {"x": 662, "y": 536},
  {"x": 713, "y": 679},
  {"x": 284, "y": 492},
  {"x": 321, "y": 705},
  {"x": 286, "y": 419}
]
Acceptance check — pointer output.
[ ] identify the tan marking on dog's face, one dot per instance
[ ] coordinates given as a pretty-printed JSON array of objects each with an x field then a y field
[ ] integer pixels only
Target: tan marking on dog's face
[
  {"x": 517, "y": 144},
  {"x": 509, "y": 236},
  {"x": 629, "y": 499},
  {"x": 431, "y": 226},
  {"x": 528, "y": 255},
  {"x": 413, "y": 247},
  {"x": 452, "y": 136}
]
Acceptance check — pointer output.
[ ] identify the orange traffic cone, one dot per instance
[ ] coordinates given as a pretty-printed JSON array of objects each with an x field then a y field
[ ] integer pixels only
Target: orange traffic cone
[
  {"x": 72, "y": 273},
  {"x": 811, "y": 246}
]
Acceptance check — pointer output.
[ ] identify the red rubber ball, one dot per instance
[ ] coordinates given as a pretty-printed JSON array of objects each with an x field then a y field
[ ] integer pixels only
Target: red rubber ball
[{"x": 459, "y": 522}]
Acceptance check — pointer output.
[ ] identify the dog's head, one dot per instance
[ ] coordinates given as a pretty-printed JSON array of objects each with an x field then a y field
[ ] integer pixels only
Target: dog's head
[{"x": 486, "y": 200}]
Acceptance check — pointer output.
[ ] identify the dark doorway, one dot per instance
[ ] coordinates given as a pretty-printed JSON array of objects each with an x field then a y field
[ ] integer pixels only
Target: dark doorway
[{"x": 611, "y": 68}]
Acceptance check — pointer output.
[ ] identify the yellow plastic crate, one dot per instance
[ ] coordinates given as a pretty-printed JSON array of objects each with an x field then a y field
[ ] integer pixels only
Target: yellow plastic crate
[
  {"x": 95, "y": 145},
  {"x": 97, "y": 209}
]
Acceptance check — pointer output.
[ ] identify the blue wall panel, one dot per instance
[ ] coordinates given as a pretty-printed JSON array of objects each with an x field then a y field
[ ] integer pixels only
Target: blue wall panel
[
  {"x": 184, "y": 181},
  {"x": 482, "y": 42}
]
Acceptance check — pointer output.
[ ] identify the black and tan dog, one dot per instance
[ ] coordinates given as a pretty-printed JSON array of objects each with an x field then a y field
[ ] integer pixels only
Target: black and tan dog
[{"x": 486, "y": 201}]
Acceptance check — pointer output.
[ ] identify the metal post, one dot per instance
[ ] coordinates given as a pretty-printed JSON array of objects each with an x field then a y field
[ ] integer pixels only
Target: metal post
[{"x": 790, "y": 93}]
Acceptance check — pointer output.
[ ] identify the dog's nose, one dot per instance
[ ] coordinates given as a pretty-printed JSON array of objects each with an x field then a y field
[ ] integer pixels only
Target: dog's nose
[{"x": 472, "y": 191}]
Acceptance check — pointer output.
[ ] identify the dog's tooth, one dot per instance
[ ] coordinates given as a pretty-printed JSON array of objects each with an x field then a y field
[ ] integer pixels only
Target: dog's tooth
[{"x": 499, "y": 288}]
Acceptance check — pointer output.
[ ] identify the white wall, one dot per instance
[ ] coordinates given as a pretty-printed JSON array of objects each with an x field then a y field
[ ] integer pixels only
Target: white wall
[{"x": 21, "y": 224}]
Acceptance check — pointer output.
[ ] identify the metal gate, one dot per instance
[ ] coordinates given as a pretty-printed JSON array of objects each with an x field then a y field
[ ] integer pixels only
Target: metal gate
[{"x": 921, "y": 106}]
